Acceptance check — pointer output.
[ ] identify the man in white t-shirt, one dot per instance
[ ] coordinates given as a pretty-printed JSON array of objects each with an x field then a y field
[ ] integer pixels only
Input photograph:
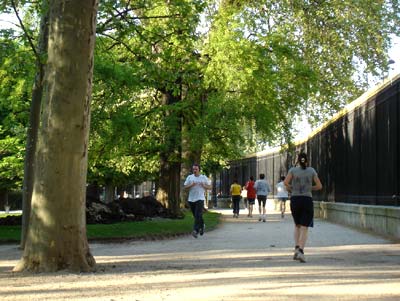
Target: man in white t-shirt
[{"x": 198, "y": 185}]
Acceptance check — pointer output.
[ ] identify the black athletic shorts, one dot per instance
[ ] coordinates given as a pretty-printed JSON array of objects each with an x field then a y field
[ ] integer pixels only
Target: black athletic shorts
[
  {"x": 302, "y": 208},
  {"x": 262, "y": 199},
  {"x": 251, "y": 201}
]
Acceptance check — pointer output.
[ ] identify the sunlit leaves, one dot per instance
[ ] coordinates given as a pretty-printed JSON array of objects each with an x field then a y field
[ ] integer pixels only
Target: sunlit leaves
[
  {"x": 16, "y": 77},
  {"x": 280, "y": 58}
]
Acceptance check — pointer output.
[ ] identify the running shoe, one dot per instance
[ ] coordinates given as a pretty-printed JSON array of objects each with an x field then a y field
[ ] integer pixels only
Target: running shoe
[
  {"x": 301, "y": 257},
  {"x": 296, "y": 254}
]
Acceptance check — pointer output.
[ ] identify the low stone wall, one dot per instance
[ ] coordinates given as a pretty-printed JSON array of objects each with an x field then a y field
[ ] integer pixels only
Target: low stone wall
[{"x": 379, "y": 219}]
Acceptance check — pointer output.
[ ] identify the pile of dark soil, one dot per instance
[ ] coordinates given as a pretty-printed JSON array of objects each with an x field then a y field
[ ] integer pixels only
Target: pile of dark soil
[
  {"x": 124, "y": 210},
  {"x": 11, "y": 220},
  {"x": 120, "y": 210}
]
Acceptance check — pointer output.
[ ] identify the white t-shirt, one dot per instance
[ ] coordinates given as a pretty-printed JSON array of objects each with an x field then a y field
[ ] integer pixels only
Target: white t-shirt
[
  {"x": 196, "y": 192},
  {"x": 281, "y": 190}
]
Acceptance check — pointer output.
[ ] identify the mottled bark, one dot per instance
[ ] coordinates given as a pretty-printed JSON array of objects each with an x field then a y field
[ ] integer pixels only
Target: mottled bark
[
  {"x": 109, "y": 193},
  {"x": 56, "y": 237},
  {"x": 189, "y": 157},
  {"x": 33, "y": 128},
  {"x": 168, "y": 190}
]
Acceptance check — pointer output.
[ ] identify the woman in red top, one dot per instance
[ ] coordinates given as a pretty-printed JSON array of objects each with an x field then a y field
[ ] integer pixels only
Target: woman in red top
[{"x": 251, "y": 195}]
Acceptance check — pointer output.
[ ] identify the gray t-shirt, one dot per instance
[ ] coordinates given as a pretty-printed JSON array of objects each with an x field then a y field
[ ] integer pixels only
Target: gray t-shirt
[
  {"x": 262, "y": 187},
  {"x": 302, "y": 181}
]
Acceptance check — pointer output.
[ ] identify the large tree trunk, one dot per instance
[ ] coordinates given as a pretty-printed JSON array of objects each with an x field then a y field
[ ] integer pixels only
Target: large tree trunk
[
  {"x": 56, "y": 236},
  {"x": 189, "y": 157},
  {"x": 168, "y": 192},
  {"x": 4, "y": 197},
  {"x": 33, "y": 128}
]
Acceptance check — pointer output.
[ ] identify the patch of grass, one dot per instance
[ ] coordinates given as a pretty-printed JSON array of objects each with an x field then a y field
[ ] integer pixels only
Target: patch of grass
[
  {"x": 10, "y": 233},
  {"x": 150, "y": 229},
  {"x": 155, "y": 228}
]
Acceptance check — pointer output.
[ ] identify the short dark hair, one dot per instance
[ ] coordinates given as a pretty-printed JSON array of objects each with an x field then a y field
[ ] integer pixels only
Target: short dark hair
[{"x": 262, "y": 176}]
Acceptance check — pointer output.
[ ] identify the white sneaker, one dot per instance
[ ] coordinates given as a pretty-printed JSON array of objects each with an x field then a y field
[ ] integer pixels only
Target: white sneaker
[
  {"x": 301, "y": 257},
  {"x": 296, "y": 254}
]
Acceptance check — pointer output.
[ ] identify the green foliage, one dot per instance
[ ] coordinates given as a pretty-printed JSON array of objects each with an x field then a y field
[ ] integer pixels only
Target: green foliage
[
  {"x": 115, "y": 151},
  {"x": 240, "y": 84},
  {"x": 274, "y": 60},
  {"x": 11, "y": 163},
  {"x": 16, "y": 69},
  {"x": 236, "y": 82},
  {"x": 144, "y": 51}
]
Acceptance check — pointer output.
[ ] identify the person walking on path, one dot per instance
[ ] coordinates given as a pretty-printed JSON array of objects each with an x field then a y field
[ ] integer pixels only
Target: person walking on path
[
  {"x": 236, "y": 191},
  {"x": 244, "y": 196},
  {"x": 262, "y": 189},
  {"x": 300, "y": 182},
  {"x": 282, "y": 195},
  {"x": 197, "y": 184},
  {"x": 251, "y": 195}
]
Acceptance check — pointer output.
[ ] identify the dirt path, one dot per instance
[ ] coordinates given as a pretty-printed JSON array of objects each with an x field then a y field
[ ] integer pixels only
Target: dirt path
[{"x": 242, "y": 260}]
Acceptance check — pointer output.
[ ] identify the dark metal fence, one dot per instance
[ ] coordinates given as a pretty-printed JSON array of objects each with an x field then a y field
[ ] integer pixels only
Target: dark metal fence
[{"x": 356, "y": 154}]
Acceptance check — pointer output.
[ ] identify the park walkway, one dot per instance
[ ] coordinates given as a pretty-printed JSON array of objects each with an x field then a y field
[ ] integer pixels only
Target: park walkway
[{"x": 241, "y": 260}]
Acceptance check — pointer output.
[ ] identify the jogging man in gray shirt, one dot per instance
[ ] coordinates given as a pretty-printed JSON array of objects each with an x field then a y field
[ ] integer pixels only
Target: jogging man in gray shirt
[{"x": 262, "y": 189}]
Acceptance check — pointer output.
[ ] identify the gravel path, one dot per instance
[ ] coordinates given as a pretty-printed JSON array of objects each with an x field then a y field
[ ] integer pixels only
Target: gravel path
[{"x": 241, "y": 260}]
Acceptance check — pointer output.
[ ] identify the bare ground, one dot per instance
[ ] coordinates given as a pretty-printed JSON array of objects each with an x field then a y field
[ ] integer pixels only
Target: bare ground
[{"x": 242, "y": 260}]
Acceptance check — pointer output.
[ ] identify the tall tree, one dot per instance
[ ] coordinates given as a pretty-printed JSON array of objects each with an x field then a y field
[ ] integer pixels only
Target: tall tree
[
  {"x": 276, "y": 59},
  {"x": 57, "y": 234},
  {"x": 158, "y": 40},
  {"x": 25, "y": 15},
  {"x": 34, "y": 116}
]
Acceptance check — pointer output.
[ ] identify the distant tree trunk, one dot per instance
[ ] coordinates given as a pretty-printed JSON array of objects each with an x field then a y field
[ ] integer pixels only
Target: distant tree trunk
[
  {"x": 93, "y": 191},
  {"x": 109, "y": 193},
  {"x": 214, "y": 189},
  {"x": 33, "y": 128},
  {"x": 168, "y": 192},
  {"x": 189, "y": 157},
  {"x": 56, "y": 237},
  {"x": 4, "y": 197}
]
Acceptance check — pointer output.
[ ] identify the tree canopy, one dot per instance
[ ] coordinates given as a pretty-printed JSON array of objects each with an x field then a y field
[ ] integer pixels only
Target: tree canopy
[{"x": 203, "y": 80}]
